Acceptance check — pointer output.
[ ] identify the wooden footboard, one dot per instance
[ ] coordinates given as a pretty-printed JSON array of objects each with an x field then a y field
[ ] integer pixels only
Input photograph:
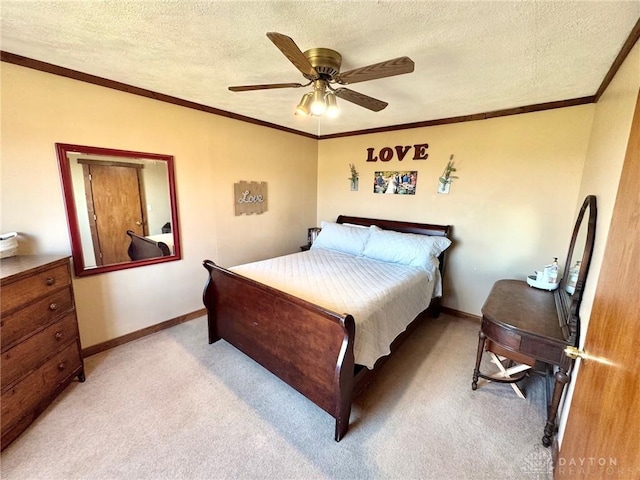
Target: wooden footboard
[{"x": 308, "y": 347}]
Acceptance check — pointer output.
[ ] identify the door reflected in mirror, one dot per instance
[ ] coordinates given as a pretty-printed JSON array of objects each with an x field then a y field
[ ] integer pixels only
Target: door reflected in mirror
[{"x": 121, "y": 208}]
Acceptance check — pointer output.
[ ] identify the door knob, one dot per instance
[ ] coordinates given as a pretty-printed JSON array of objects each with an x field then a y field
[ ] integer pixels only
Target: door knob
[{"x": 573, "y": 352}]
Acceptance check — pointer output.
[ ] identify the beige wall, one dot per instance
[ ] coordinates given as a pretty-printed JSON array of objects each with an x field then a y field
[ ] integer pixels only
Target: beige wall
[
  {"x": 211, "y": 153},
  {"x": 605, "y": 157},
  {"x": 512, "y": 209}
]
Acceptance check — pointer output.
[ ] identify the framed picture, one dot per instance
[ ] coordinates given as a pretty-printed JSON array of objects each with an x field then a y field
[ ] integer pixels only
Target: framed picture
[{"x": 394, "y": 182}]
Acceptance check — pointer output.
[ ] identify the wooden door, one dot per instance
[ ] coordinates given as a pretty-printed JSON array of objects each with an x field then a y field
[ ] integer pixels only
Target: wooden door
[
  {"x": 115, "y": 206},
  {"x": 602, "y": 438}
]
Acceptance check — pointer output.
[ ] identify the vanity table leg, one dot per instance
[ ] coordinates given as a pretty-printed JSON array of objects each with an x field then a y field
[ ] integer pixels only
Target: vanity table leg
[
  {"x": 561, "y": 379},
  {"x": 476, "y": 372}
]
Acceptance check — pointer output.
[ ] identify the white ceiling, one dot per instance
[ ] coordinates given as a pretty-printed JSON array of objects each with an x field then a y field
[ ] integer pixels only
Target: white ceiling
[{"x": 470, "y": 57}]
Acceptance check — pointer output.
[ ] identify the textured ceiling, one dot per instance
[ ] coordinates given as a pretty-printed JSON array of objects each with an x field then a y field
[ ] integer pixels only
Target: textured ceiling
[{"x": 470, "y": 57}]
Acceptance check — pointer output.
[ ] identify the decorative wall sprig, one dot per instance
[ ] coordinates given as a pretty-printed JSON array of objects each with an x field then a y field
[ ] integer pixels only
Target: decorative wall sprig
[
  {"x": 354, "y": 172},
  {"x": 354, "y": 177},
  {"x": 446, "y": 176}
]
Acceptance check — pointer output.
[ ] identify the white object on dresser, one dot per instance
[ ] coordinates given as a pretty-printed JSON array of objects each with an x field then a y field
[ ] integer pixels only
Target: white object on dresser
[{"x": 8, "y": 244}]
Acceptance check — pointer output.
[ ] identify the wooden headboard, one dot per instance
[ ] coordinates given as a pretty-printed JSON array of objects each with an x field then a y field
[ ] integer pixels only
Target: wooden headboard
[{"x": 404, "y": 227}]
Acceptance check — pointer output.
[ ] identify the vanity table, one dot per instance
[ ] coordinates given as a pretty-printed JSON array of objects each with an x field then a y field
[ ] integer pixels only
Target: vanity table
[{"x": 529, "y": 325}]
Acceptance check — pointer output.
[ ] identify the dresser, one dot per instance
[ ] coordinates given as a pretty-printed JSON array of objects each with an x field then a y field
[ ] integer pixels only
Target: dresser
[{"x": 39, "y": 338}]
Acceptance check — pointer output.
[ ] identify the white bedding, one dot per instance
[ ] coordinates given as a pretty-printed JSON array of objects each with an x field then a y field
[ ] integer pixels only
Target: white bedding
[{"x": 382, "y": 297}]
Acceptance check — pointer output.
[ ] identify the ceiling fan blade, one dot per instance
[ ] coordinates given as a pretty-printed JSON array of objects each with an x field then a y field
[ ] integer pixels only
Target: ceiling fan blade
[
  {"x": 361, "y": 99},
  {"x": 268, "y": 86},
  {"x": 396, "y": 66},
  {"x": 290, "y": 50}
]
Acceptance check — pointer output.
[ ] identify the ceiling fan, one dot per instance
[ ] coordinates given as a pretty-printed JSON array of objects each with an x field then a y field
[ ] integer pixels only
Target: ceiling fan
[{"x": 321, "y": 66}]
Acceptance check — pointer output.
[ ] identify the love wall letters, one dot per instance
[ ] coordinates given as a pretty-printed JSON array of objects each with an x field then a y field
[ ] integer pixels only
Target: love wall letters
[{"x": 387, "y": 154}]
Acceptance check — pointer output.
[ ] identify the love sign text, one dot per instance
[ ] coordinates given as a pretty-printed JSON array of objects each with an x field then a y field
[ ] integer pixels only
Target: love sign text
[
  {"x": 387, "y": 154},
  {"x": 246, "y": 198}
]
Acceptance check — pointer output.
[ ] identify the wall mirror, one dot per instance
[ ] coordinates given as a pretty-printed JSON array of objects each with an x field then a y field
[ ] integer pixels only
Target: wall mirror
[
  {"x": 576, "y": 268},
  {"x": 121, "y": 208}
]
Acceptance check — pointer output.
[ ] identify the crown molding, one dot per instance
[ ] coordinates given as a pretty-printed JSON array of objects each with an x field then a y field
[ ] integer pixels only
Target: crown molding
[
  {"x": 538, "y": 107},
  {"x": 123, "y": 87},
  {"x": 632, "y": 39}
]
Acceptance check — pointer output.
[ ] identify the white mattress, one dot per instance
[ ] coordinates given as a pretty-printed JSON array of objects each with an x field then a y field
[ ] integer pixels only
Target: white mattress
[{"x": 382, "y": 297}]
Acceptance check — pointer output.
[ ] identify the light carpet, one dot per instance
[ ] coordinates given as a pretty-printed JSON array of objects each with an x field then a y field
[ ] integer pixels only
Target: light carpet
[{"x": 171, "y": 406}]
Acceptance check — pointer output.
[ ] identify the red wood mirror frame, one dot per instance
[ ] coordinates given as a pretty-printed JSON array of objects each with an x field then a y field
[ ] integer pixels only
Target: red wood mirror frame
[{"x": 113, "y": 199}]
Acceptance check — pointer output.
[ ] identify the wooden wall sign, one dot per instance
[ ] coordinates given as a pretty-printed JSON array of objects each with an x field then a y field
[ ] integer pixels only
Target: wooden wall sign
[
  {"x": 250, "y": 197},
  {"x": 400, "y": 151}
]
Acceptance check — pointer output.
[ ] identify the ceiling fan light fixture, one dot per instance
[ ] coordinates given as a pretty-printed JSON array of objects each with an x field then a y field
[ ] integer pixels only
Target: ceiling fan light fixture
[
  {"x": 332, "y": 105},
  {"x": 317, "y": 102},
  {"x": 321, "y": 67},
  {"x": 303, "y": 106}
]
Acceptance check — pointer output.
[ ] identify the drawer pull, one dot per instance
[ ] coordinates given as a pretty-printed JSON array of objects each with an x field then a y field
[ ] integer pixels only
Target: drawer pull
[
  {"x": 62, "y": 366},
  {"x": 58, "y": 335},
  {"x": 53, "y": 306},
  {"x": 50, "y": 281}
]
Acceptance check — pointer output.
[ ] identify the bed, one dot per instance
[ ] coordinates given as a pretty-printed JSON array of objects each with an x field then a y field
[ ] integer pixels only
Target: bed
[
  {"x": 141, "y": 247},
  {"x": 300, "y": 317}
]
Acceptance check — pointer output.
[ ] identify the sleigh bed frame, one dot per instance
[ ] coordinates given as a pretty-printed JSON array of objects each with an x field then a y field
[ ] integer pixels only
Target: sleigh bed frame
[{"x": 305, "y": 345}]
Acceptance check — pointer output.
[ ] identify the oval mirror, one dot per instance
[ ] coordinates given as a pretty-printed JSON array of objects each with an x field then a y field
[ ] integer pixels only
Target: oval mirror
[
  {"x": 569, "y": 294},
  {"x": 121, "y": 208}
]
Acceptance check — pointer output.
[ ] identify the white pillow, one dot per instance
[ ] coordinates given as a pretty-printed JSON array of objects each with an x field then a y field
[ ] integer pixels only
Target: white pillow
[
  {"x": 342, "y": 238},
  {"x": 355, "y": 225},
  {"x": 405, "y": 248}
]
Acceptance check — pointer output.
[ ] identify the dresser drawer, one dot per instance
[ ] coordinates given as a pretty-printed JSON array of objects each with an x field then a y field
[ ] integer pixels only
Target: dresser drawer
[
  {"x": 502, "y": 336},
  {"x": 38, "y": 389},
  {"x": 26, "y": 290},
  {"x": 27, "y": 320},
  {"x": 26, "y": 356}
]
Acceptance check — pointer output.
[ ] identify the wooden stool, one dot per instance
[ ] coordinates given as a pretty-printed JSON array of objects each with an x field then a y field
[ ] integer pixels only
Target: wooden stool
[{"x": 508, "y": 374}]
